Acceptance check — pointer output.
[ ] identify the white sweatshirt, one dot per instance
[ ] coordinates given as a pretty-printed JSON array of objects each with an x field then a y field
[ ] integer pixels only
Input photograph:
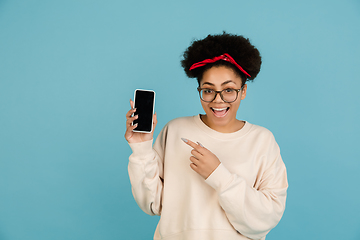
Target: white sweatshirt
[{"x": 244, "y": 198}]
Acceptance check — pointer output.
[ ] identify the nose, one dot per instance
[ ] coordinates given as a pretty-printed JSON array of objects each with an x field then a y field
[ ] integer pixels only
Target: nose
[{"x": 218, "y": 98}]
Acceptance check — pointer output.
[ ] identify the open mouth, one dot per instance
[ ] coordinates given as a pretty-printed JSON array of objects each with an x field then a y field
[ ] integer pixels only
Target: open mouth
[{"x": 220, "y": 112}]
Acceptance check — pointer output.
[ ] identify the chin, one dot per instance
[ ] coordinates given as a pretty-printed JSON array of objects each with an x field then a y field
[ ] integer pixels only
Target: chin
[{"x": 220, "y": 121}]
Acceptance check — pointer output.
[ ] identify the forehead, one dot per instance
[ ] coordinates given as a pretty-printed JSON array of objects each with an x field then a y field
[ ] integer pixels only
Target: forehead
[{"x": 220, "y": 75}]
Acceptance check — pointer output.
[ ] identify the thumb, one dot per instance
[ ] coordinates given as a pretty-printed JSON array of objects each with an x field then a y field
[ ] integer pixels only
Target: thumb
[{"x": 155, "y": 120}]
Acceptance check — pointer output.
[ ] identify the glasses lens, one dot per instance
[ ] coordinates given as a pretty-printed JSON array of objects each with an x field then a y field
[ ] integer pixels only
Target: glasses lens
[
  {"x": 207, "y": 95},
  {"x": 229, "y": 95}
]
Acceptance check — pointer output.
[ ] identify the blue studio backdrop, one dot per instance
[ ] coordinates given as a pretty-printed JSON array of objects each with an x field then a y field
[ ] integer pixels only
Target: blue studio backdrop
[{"x": 69, "y": 68}]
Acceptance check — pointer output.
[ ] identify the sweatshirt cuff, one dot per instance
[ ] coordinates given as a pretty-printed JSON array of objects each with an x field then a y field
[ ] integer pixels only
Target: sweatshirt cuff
[
  {"x": 142, "y": 149},
  {"x": 220, "y": 178}
]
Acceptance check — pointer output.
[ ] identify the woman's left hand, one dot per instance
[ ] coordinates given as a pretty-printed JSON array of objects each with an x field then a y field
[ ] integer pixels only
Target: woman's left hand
[{"x": 203, "y": 161}]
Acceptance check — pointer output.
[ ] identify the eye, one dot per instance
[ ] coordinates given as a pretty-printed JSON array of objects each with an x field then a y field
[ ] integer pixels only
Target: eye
[
  {"x": 207, "y": 91},
  {"x": 229, "y": 90}
]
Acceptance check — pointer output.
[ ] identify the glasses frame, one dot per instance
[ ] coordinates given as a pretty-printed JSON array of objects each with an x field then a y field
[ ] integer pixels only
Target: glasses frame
[{"x": 220, "y": 93}]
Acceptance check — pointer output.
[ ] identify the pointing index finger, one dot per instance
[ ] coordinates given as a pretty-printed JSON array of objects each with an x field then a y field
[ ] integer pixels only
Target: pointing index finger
[{"x": 192, "y": 144}]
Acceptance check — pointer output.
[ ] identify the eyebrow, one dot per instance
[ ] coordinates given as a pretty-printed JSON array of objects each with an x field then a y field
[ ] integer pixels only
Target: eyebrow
[{"x": 224, "y": 83}]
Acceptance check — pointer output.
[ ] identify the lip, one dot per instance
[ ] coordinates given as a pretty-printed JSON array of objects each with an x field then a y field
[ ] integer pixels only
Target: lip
[{"x": 220, "y": 112}]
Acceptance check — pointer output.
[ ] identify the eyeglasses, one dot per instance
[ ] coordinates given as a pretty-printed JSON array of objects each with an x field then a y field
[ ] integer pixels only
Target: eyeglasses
[{"x": 228, "y": 95}]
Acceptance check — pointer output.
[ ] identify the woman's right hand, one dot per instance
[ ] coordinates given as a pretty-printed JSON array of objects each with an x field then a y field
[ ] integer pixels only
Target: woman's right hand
[{"x": 136, "y": 137}]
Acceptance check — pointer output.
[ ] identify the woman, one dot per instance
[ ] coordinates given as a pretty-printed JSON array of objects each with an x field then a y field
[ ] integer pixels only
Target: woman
[{"x": 211, "y": 176}]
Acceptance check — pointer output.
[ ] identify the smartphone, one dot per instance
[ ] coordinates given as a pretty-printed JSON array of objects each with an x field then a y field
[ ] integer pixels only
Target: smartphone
[{"x": 144, "y": 102}]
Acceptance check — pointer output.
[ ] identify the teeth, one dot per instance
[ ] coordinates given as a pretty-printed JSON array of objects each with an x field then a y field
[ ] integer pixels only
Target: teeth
[{"x": 219, "y": 109}]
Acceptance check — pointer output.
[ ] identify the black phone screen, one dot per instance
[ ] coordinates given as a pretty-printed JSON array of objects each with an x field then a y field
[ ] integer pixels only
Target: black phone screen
[{"x": 144, "y": 104}]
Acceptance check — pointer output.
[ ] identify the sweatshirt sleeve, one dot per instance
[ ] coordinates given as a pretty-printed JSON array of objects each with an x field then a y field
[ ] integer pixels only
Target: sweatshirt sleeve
[
  {"x": 146, "y": 174},
  {"x": 252, "y": 210}
]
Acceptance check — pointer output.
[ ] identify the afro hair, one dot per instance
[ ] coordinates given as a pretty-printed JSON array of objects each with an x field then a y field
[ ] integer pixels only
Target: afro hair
[{"x": 238, "y": 47}]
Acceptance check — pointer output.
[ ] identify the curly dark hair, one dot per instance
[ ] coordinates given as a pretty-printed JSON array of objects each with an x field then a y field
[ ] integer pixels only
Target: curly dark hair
[{"x": 238, "y": 47}]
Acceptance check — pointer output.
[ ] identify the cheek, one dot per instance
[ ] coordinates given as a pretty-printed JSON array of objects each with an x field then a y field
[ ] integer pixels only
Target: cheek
[
  {"x": 235, "y": 106},
  {"x": 204, "y": 106}
]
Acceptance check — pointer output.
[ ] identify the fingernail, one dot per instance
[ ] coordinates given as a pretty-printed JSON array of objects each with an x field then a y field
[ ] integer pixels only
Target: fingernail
[
  {"x": 184, "y": 139},
  {"x": 200, "y": 144}
]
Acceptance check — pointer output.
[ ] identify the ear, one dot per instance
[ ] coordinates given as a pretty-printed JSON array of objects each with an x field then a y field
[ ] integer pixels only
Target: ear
[{"x": 243, "y": 92}]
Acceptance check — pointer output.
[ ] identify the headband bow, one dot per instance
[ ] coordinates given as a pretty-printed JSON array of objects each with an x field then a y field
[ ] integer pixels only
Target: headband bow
[{"x": 225, "y": 57}]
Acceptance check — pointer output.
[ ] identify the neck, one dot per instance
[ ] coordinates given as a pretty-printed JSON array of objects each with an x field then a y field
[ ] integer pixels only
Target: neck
[{"x": 231, "y": 127}]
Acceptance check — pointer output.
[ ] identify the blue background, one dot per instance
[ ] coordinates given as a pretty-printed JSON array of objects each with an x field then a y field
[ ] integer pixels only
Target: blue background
[{"x": 69, "y": 68}]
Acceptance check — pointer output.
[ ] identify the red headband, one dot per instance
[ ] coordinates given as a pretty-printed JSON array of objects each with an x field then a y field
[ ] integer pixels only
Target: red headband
[{"x": 225, "y": 57}]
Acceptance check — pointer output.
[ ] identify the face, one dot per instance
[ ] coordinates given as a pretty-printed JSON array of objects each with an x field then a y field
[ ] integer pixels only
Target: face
[{"x": 221, "y": 116}]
